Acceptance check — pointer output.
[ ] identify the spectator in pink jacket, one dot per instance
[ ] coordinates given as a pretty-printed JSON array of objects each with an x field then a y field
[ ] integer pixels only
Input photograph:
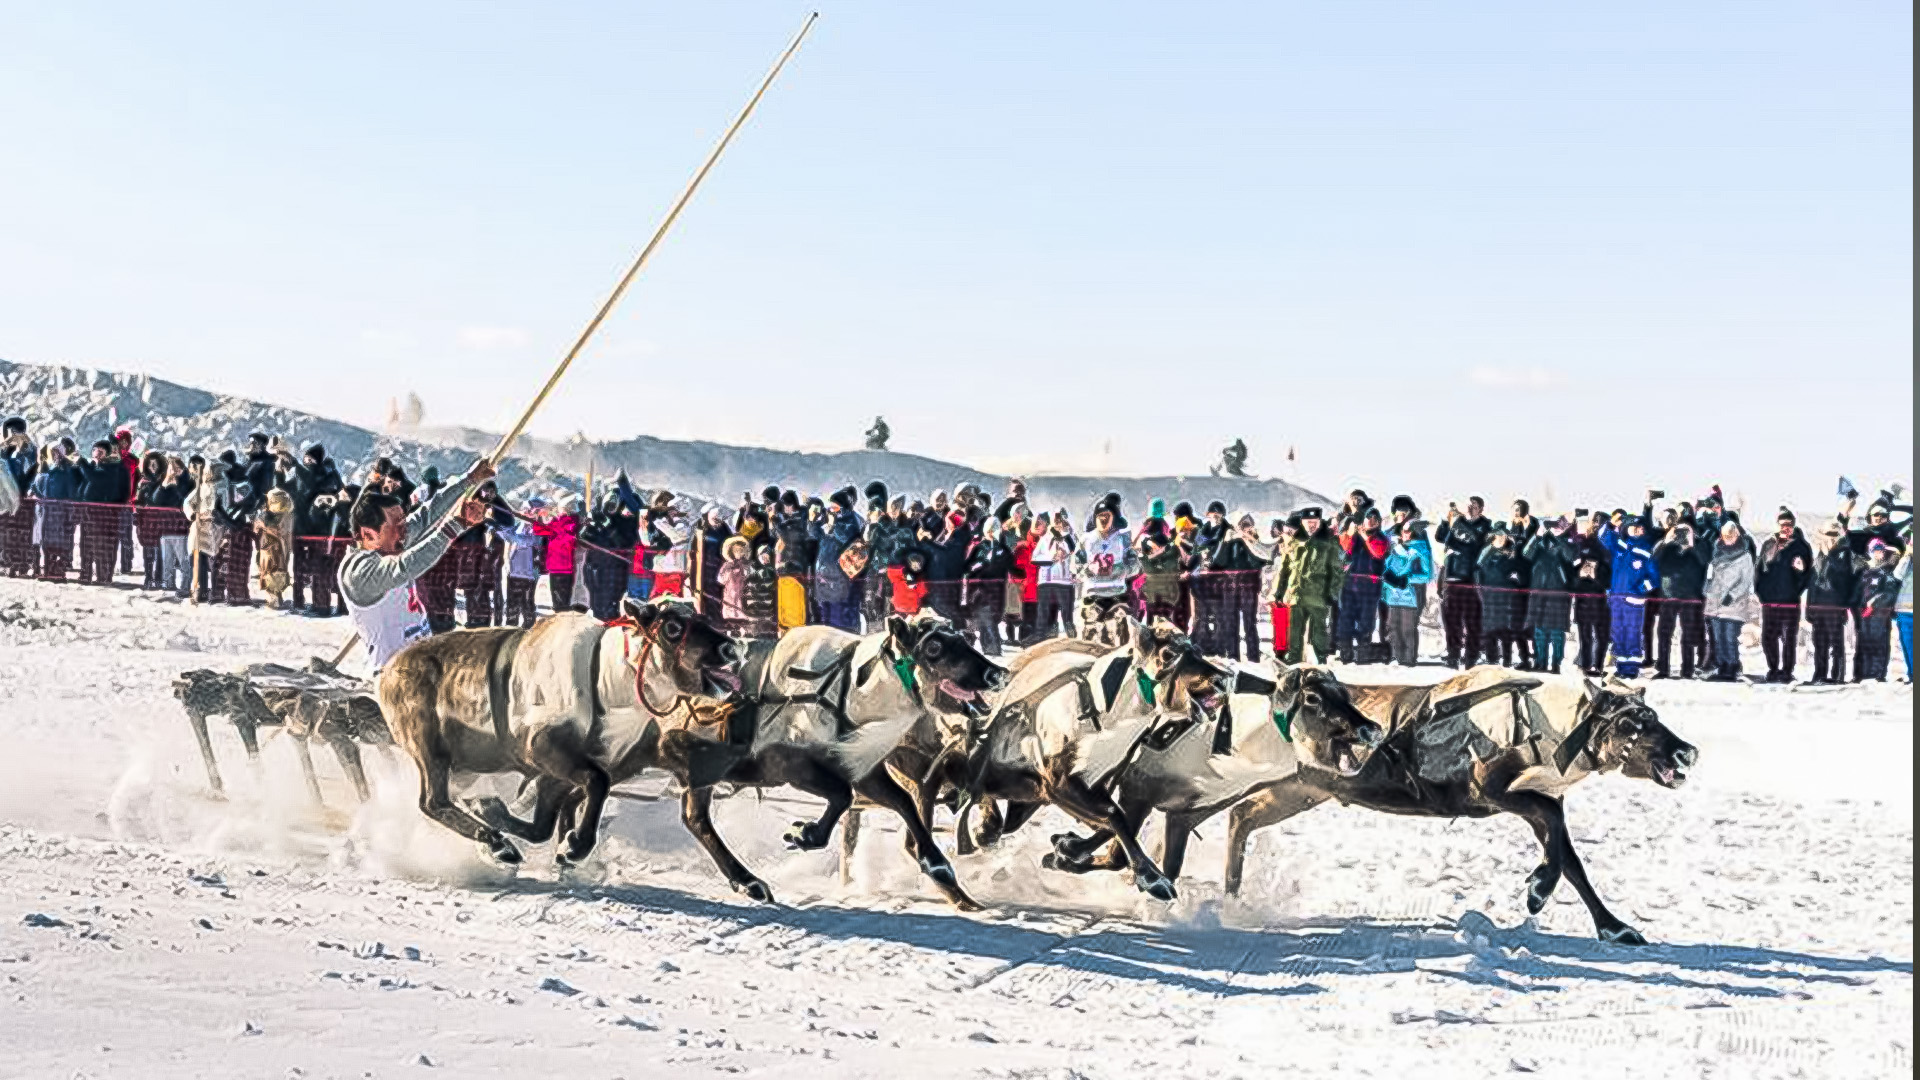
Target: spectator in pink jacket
[{"x": 559, "y": 533}]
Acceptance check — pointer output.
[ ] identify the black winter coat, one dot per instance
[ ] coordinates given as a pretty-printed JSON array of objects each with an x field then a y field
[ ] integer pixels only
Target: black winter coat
[
  {"x": 1683, "y": 570},
  {"x": 1775, "y": 581},
  {"x": 1549, "y": 578},
  {"x": 1501, "y": 575},
  {"x": 1464, "y": 540},
  {"x": 309, "y": 483},
  {"x": 103, "y": 483},
  {"x": 259, "y": 477},
  {"x": 1835, "y": 582},
  {"x": 1592, "y": 566}
]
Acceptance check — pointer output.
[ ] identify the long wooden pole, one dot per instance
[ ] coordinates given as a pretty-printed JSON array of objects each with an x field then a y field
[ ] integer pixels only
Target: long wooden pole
[
  {"x": 619, "y": 290},
  {"x": 659, "y": 234}
]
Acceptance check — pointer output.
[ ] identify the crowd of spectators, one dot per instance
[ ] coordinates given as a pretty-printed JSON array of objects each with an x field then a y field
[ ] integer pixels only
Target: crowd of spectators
[{"x": 1349, "y": 583}]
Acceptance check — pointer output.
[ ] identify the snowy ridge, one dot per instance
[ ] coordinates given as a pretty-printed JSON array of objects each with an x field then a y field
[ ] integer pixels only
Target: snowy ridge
[{"x": 59, "y": 400}]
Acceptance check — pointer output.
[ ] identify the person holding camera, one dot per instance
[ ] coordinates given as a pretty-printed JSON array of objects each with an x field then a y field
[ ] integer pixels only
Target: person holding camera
[
  {"x": 1682, "y": 564},
  {"x": 1464, "y": 536}
]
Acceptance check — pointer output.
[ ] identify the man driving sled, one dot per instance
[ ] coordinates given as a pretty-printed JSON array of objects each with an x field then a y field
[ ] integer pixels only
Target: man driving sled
[{"x": 393, "y": 548}]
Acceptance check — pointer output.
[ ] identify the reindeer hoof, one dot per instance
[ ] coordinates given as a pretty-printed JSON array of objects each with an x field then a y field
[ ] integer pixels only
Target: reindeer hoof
[
  {"x": 1053, "y": 860},
  {"x": 573, "y": 849},
  {"x": 1623, "y": 935},
  {"x": 755, "y": 890},
  {"x": 502, "y": 851},
  {"x": 1157, "y": 887},
  {"x": 803, "y": 838},
  {"x": 1540, "y": 886}
]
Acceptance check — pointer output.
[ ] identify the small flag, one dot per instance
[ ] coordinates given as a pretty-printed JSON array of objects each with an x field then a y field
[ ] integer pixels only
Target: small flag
[{"x": 1847, "y": 490}]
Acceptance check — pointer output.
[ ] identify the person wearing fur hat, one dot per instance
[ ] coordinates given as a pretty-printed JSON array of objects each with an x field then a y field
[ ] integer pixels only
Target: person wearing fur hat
[
  {"x": 1313, "y": 570},
  {"x": 735, "y": 553}
]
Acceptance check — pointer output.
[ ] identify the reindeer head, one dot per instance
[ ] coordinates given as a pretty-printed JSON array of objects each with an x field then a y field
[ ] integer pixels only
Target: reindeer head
[
  {"x": 1185, "y": 681},
  {"x": 942, "y": 658},
  {"x": 1619, "y": 730},
  {"x": 694, "y": 653},
  {"x": 1316, "y": 712}
]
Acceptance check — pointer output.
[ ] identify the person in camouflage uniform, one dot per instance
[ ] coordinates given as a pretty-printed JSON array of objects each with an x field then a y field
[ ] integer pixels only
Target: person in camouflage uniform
[{"x": 1313, "y": 570}]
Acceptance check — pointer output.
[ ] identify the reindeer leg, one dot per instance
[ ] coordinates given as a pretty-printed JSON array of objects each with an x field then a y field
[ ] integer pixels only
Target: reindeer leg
[
  {"x": 849, "y": 838},
  {"x": 553, "y": 753},
  {"x": 880, "y": 786},
  {"x": 551, "y": 796},
  {"x": 816, "y": 779},
  {"x": 1179, "y": 829},
  {"x": 348, "y": 752},
  {"x": 199, "y": 721},
  {"x": 1269, "y": 807},
  {"x": 696, "y": 810},
  {"x": 306, "y": 769},
  {"x": 1078, "y": 798},
  {"x": 436, "y": 803},
  {"x": 1545, "y": 877},
  {"x": 992, "y": 827},
  {"x": 1546, "y": 813}
]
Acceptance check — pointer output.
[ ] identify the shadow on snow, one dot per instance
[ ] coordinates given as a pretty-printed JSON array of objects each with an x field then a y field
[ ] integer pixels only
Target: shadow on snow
[{"x": 1210, "y": 960}]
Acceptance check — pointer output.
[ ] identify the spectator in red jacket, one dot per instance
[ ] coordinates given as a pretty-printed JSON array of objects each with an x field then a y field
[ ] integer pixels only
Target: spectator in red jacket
[{"x": 1367, "y": 548}]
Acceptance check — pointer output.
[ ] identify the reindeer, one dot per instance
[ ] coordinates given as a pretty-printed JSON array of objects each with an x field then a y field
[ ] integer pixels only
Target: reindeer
[
  {"x": 1485, "y": 743},
  {"x": 573, "y": 704},
  {"x": 1069, "y": 723}
]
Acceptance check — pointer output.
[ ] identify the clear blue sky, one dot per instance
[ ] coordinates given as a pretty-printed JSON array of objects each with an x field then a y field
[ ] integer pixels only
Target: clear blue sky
[{"x": 1565, "y": 248}]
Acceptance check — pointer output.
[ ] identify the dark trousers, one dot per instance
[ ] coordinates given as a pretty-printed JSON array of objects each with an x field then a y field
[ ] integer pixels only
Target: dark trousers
[
  {"x": 1829, "y": 644},
  {"x": 1693, "y": 636},
  {"x": 606, "y": 582},
  {"x": 1209, "y": 614},
  {"x": 55, "y": 560},
  {"x": 876, "y": 597},
  {"x": 1354, "y": 627},
  {"x": 1498, "y": 645},
  {"x": 1460, "y": 615},
  {"x": 1780, "y": 636},
  {"x": 233, "y": 565},
  {"x": 1239, "y": 604},
  {"x": 560, "y": 585},
  {"x": 1875, "y": 646},
  {"x": 1055, "y": 606},
  {"x": 124, "y": 540},
  {"x": 473, "y": 572},
  {"x": 1590, "y": 618},
  {"x": 99, "y": 543},
  {"x": 520, "y": 601}
]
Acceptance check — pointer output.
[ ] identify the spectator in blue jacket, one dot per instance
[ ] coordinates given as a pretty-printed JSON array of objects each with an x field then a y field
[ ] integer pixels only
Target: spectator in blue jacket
[
  {"x": 1408, "y": 568},
  {"x": 1635, "y": 577}
]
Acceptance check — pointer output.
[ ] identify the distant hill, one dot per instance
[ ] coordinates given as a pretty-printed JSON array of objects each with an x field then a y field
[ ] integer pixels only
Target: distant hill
[{"x": 78, "y": 401}]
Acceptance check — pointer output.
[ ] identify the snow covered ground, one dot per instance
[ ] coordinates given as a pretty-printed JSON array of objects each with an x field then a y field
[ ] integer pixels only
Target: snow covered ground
[{"x": 149, "y": 931}]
